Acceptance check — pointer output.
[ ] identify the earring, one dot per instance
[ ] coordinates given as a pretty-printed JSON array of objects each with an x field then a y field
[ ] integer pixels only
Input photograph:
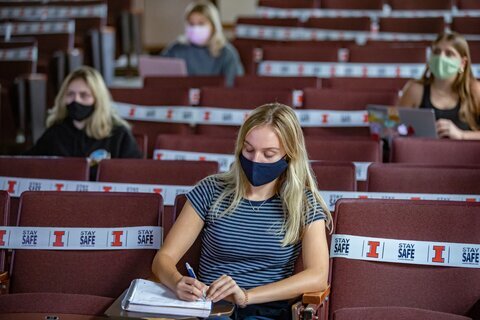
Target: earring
[{"x": 460, "y": 71}]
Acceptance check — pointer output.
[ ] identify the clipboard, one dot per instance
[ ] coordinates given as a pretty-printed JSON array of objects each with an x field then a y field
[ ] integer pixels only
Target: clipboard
[{"x": 115, "y": 311}]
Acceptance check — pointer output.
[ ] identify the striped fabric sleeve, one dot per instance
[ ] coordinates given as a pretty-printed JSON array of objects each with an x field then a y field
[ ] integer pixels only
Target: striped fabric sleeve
[
  {"x": 315, "y": 211},
  {"x": 201, "y": 196}
]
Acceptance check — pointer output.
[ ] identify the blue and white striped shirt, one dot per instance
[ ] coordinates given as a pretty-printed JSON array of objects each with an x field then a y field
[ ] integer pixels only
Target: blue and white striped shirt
[{"x": 244, "y": 244}]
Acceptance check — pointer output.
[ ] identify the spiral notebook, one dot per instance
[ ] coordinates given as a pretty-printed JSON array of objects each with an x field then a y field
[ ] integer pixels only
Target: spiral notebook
[{"x": 152, "y": 297}]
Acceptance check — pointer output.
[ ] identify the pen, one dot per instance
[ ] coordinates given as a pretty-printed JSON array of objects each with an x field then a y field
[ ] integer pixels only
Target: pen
[{"x": 191, "y": 273}]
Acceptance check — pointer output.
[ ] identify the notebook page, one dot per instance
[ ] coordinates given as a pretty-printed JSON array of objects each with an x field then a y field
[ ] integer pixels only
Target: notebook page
[{"x": 155, "y": 294}]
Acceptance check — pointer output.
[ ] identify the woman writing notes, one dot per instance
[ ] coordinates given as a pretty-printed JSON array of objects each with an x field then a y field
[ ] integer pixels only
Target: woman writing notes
[
  {"x": 254, "y": 219},
  {"x": 449, "y": 87}
]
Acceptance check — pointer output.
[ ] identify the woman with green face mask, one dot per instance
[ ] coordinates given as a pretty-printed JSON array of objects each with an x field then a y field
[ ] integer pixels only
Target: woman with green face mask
[{"x": 449, "y": 88}]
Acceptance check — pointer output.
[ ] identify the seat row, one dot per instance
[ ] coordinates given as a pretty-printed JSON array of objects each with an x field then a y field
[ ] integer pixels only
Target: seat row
[{"x": 87, "y": 282}]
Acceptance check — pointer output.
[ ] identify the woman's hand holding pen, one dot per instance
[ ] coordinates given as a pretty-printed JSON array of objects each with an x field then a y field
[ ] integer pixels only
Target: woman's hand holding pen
[
  {"x": 226, "y": 288},
  {"x": 190, "y": 289}
]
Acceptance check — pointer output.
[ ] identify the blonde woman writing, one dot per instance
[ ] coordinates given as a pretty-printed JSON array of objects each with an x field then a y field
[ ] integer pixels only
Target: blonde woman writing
[{"x": 254, "y": 219}]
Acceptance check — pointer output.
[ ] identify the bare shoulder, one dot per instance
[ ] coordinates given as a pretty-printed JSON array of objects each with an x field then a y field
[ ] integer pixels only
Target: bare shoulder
[{"x": 412, "y": 94}]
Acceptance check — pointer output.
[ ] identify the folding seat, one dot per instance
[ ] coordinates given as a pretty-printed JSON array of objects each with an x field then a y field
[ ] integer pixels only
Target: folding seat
[
  {"x": 258, "y": 21},
  {"x": 467, "y": 4},
  {"x": 79, "y": 281},
  {"x": 362, "y": 289},
  {"x": 433, "y": 25},
  {"x": 4, "y": 216},
  {"x": 300, "y": 53},
  {"x": 287, "y": 4},
  {"x": 335, "y": 175},
  {"x": 465, "y": 25},
  {"x": 143, "y": 171},
  {"x": 342, "y": 149},
  {"x": 368, "y": 54},
  {"x": 352, "y": 4},
  {"x": 42, "y": 168},
  {"x": 435, "y": 151},
  {"x": 339, "y": 99},
  {"x": 412, "y": 5},
  {"x": 417, "y": 178},
  {"x": 148, "y": 171},
  {"x": 237, "y": 98},
  {"x": 364, "y": 84},
  {"x": 277, "y": 82},
  {"x": 154, "y": 97},
  {"x": 58, "y": 39},
  {"x": 198, "y": 143},
  {"x": 340, "y": 23},
  {"x": 183, "y": 82}
]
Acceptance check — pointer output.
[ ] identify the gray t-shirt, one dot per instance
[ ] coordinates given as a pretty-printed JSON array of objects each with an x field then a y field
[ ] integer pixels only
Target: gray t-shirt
[{"x": 201, "y": 63}]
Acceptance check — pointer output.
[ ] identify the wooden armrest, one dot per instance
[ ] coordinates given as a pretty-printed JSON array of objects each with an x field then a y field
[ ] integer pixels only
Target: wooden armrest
[
  {"x": 318, "y": 297},
  {"x": 4, "y": 277}
]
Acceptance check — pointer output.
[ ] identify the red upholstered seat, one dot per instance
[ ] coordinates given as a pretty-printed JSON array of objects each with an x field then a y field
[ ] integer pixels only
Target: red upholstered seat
[
  {"x": 352, "y": 4},
  {"x": 154, "y": 97},
  {"x": 416, "y": 178},
  {"x": 277, "y": 82},
  {"x": 174, "y": 172},
  {"x": 342, "y": 149},
  {"x": 200, "y": 143},
  {"x": 412, "y": 25},
  {"x": 183, "y": 82},
  {"x": 420, "y": 5},
  {"x": 237, "y": 98},
  {"x": 360, "y": 283},
  {"x": 335, "y": 175},
  {"x": 339, "y": 23},
  {"x": 42, "y": 168},
  {"x": 105, "y": 273},
  {"x": 393, "y": 313},
  {"x": 47, "y": 302},
  {"x": 435, "y": 151}
]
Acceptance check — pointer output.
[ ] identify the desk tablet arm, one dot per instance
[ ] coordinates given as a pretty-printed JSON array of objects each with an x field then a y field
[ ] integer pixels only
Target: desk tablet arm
[
  {"x": 312, "y": 307},
  {"x": 4, "y": 280}
]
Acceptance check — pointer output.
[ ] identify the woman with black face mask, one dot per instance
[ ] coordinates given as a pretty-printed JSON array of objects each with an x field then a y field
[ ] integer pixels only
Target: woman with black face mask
[
  {"x": 254, "y": 219},
  {"x": 83, "y": 123}
]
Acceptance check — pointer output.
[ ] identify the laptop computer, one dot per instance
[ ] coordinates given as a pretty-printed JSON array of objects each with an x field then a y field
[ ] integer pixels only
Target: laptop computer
[
  {"x": 161, "y": 66},
  {"x": 390, "y": 121}
]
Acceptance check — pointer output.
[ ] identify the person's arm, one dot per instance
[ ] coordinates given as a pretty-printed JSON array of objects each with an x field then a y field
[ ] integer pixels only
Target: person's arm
[
  {"x": 447, "y": 129},
  {"x": 411, "y": 95},
  {"x": 232, "y": 66},
  {"x": 43, "y": 145},
  {"x": 129, "y": 147},
  {"x": 186, "y": 229},
  {"x": 314, "y": 276}
]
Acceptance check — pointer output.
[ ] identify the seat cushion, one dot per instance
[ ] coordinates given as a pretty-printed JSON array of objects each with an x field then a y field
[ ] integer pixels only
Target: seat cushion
[
  {"x": 393, "y": 313},
  {"x": 54, "y": 302}
]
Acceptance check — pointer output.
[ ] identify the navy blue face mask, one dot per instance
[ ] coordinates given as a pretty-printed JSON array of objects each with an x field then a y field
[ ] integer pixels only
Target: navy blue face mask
[{"x": 262, "y": 173}]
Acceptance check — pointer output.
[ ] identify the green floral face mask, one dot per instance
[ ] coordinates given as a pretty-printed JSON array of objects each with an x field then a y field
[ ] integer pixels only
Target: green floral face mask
[{"x": 444, "y": 67}]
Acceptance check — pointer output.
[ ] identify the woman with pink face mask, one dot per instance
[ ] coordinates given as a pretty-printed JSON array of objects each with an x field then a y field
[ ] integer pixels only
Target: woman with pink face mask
[
  {"x": 449, "y": 88},
  {"x": 204, "y": 47}
]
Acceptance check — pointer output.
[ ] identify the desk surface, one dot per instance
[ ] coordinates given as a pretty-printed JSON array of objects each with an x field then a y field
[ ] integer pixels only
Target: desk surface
[{"x": 47, "y": 316}]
